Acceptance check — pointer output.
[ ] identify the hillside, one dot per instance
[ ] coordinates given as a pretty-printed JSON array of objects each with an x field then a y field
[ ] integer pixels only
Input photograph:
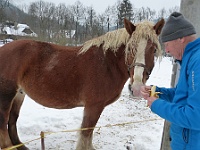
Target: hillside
[{"x": 12, "y": 13}]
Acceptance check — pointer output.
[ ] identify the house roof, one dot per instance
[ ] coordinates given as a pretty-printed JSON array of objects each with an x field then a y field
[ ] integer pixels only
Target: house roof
[{"x": 19, "y": 29}]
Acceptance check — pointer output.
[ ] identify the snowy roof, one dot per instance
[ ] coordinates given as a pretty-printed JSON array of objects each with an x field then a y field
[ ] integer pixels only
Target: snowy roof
[{"x": 19, "y": 29}]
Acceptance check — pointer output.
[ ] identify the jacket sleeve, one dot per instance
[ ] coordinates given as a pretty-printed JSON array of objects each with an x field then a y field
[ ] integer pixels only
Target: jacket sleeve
[
  {"x": 185, "y": 112},
  {"x": 166, "y": 93}
]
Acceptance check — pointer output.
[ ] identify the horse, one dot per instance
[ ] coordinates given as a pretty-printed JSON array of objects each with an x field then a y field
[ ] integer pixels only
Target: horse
[{"x": 91, "y": 75}]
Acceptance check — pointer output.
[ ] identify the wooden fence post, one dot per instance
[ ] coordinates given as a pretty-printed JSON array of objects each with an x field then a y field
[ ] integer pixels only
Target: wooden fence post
[
  {"x": 165, "y": 144},
  {"x": 42, "y": 140}
]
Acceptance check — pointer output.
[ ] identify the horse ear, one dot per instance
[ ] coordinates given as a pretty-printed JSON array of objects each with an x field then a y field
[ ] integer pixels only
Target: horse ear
[
  {"x": 158, "y": 26},
  {"x": 130, "y": 28}
]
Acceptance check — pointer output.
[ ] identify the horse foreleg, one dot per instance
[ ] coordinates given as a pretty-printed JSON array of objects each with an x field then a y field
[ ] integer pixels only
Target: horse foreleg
[
  {"x": 5, "y": 106},
  {"x": 14, "y": 114},
  {"x": 90, "y": 118}
]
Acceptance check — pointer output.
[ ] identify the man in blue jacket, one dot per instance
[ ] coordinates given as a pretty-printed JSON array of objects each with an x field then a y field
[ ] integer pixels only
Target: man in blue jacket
[{"x": 180, "y": 105}]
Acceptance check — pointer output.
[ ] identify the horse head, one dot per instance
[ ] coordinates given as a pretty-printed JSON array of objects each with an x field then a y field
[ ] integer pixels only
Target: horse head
[{"x": 141, "y": 50}]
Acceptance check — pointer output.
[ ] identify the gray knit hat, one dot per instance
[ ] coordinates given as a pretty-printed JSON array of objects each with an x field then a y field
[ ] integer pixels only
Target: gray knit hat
[{"x": 176, "y": 26}]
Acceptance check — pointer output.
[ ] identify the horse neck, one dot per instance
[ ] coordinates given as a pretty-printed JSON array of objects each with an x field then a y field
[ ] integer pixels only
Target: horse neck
[{"x": 118, "y": 59}]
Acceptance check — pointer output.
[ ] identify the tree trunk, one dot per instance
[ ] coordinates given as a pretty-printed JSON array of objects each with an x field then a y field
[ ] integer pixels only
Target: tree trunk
[{"x": 190, "y": 9}]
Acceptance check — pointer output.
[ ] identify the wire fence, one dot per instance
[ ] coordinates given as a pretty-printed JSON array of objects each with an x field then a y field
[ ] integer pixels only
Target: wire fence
[{"x": 44, "y": 135}]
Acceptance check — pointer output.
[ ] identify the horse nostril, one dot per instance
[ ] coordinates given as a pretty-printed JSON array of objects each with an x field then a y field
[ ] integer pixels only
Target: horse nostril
[{"x": 130, "y": 89}]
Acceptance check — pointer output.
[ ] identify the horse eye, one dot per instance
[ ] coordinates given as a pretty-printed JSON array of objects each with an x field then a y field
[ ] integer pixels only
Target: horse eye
[{"x": 147, "y": 78}]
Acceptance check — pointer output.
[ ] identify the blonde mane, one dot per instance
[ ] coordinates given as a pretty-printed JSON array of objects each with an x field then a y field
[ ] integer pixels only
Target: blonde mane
[{"x": 113, "y": 40}]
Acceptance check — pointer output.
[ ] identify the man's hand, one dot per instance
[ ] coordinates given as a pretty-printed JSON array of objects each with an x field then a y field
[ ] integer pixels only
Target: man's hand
[
  {"x": 145, "y": 91},
  {"x": 148, "y": 93}
]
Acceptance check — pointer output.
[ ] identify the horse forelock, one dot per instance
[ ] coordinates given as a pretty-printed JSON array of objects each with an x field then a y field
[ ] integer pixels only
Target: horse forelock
[
  {"x": 144, "y": 30},
  {"x": 111, "y": 40}
]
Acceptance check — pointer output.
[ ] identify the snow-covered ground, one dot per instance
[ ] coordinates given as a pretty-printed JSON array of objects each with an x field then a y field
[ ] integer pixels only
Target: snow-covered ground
[
  {"x": 7, "y": 41},
  {"x": 142, "y": 130}
]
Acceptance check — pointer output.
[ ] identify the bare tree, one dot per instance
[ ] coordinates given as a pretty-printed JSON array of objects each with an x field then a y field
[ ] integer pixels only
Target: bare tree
[
  {"x": 49, "y": 14},
  {"x": 78, "y": 11},
  {"x": 150, "y": 14},
  {"x": 90, "y": 21},
  {"x": 43, "y": 14},
  {"x": 108, "y": 14},
  {"x": 64, "y": 25},
  {"x": 112, "y": 17},
  {"x": 3, "y": 5},
  {"x": 145, "y": 14}
]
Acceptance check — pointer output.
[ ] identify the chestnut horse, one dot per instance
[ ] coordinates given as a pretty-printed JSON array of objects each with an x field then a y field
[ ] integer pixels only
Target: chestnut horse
[{"x": 92, "y": 75}]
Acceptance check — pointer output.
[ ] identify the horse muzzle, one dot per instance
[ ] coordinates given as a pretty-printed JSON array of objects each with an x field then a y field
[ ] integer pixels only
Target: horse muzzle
[{"x": 134, "y": 89}]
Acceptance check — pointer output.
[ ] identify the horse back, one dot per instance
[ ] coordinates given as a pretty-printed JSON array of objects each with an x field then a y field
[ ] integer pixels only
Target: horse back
[
  {"x": 18, "y": 56},
  {"x": 40, "y": 69}
]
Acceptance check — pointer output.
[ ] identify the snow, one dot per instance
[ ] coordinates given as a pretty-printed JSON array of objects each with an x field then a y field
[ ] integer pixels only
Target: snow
[
  {"x": 135, "y": 126},
  {"x": 2, "y": 42},
  {"x": 18, "y": 30}
]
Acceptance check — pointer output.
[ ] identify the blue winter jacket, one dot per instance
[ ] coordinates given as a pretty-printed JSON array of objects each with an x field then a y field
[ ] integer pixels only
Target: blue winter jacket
[{"x": 181, "y": 105}]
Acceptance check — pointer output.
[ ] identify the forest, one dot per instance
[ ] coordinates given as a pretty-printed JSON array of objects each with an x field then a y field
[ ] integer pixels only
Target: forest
[{"x": 74, "y": 24}]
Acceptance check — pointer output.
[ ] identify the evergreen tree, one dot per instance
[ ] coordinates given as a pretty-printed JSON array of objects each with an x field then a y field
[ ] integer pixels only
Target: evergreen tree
[{"x": 125, "y": 10}]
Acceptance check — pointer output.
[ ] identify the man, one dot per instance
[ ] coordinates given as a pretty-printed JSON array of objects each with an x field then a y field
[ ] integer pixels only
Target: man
[{"x": 180, "y": 105}]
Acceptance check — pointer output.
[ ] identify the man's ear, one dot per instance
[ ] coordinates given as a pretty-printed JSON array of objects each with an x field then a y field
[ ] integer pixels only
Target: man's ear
[
  {"x": 182, "y": 40},
  {"x": 158, "y": 26},
  {"x": 130, "y": 28}
]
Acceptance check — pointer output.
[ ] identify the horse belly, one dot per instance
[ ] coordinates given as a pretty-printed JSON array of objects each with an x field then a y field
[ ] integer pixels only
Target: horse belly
[{"x": 51, "y": 99}]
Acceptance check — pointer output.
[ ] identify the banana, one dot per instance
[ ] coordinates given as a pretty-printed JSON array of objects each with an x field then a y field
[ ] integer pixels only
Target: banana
[{"x": 153, "y": 92}]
